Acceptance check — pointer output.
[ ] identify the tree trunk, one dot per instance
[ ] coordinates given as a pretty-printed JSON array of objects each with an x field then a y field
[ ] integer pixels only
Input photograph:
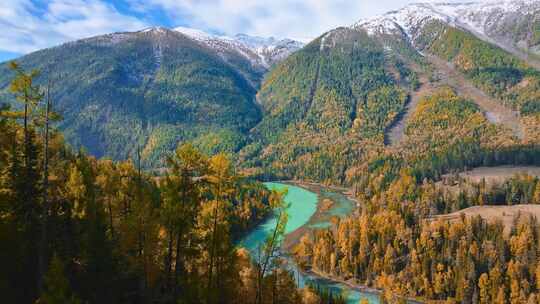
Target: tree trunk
[
  {"x": 177, "y": 267},
  {"x": 168, "y": 261},
  {"x": 267, "y": 257},
  {"x": 42, "y": 255},
  {"x": 26, "y": 130},
  {"x": 212, "y": 251},
  {"x": 109, "y": 206}
]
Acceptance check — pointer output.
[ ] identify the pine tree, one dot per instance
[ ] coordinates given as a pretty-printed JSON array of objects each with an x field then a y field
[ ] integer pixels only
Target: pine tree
[
  {"x": 96, "y": 248},
  {"x": 56, "y": 285},
  {"x": 139, "y": 236},
  {"x": 182, "y": 198},
  {"x": 30, "y": 209},
  {"x": 268, "y": 258},
  {"x": 26, "y": 92},
  {"x": 220, "y": 248}
]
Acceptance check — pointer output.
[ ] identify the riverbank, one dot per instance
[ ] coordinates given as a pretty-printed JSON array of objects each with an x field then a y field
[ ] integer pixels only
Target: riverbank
[
  {"x": 354, "y": 286},
  {"x": 322, "y": 215},
  {"x": 331, "y": 204},
  {"x": 316, "y": 187},
  {"x": 348, "y": 283}
]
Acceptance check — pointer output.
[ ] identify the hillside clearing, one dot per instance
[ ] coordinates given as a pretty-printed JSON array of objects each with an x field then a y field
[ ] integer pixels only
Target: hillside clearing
[
  {"x": 495, "y": 174},
  {"x": 396, "y": 132},
  {"x": 505, "y": 214}
]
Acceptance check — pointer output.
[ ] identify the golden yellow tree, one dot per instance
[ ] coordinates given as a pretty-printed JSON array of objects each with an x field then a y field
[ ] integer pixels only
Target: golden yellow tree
[{"x": 483, "y": 285}]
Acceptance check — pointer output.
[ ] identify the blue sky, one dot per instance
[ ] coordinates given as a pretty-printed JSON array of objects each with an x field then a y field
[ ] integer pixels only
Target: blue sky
[{"x": 30, "y": 25}]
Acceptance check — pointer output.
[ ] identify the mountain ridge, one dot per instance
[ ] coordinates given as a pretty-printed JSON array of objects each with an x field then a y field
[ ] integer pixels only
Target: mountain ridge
[
  {"x": 150, "y": 88},
  {"x": 333, "y": 103},
  {"x": 498, "y": 22},
  {"x": 260, "y": 50},
  {"x": 271, "y": 103}
]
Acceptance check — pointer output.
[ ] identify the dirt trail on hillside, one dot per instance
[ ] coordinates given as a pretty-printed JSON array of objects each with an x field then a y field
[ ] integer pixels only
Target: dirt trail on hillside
[
  {"x": 396, "y": 132},
  {"x": 494, "y": 110}
]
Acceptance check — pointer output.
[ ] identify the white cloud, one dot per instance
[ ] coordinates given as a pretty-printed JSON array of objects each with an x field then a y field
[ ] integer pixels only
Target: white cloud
[
  {"x": 29, "y": 28},
  {"x": 281, "y": 18}
]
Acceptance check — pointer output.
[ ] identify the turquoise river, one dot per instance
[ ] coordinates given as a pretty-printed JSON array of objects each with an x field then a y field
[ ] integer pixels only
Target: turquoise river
[{"x": 302, "y": 205}]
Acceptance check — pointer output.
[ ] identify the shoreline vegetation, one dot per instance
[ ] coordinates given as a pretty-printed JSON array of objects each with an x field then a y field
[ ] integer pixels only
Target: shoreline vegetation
[
  {"x": 356, "y": 286},
  {"x": 321, "y": 213},
  {"x": 503, "y": 196},
  {"x": 323, "y": 210}
]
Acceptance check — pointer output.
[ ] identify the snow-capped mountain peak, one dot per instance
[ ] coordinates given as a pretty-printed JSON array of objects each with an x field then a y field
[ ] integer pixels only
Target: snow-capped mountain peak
[
  {"x": 255, "y": 41},
  {"x": 406, "y": 19},
  {"x": 195, "y": 34},
  {"x": 493, "y": 20},
  {"x": 259, "y": 50}
]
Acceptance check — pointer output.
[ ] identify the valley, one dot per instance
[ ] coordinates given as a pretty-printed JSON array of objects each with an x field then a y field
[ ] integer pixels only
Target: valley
[{"x": 395, "y": 160}]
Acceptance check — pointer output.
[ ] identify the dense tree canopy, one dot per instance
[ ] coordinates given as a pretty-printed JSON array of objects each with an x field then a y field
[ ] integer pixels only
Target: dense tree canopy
[{"x": 82, "y": 230}]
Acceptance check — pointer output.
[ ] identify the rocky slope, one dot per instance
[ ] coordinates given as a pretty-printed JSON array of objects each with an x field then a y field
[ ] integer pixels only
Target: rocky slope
[{"x": 492, "y": 43}]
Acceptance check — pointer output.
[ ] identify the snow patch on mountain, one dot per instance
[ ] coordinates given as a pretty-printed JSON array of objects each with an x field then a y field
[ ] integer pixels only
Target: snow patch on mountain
[
  {"x": 258, "y": 50},
  {"x": 478, "y": 17},
  {"x": 407, "y": 20},
  {"x": 195, "y": 34}
]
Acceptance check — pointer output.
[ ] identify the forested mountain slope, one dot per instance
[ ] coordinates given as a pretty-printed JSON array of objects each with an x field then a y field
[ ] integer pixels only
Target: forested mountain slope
[
  {"x": 316, "y": 114},
  {"x": 511, "y": 24},
  {"x": 151, "y": 89},
  {"x": 328, "y": 107},
  {"x": 327, "y": 102}
]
